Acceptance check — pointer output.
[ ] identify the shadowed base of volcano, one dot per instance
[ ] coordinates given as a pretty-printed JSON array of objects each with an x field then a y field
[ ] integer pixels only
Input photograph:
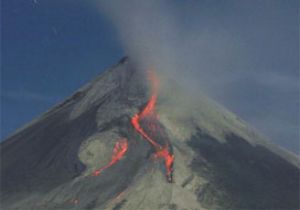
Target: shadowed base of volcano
[{"x": 242, "y": 176}]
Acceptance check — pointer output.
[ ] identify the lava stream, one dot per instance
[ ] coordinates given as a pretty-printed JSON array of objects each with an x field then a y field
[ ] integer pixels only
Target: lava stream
[
  {"x": 119, "y": 151},
  {"x": 169, "y": 160},
  {"x": 135, "y": 120},
  {"x": 149, "y": 113}
]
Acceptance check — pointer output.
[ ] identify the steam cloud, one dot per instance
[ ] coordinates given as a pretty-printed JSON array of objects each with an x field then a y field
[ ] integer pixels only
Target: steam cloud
[
  {"x": 241, "y": 53},
  {"x": 156, "y": 33}
]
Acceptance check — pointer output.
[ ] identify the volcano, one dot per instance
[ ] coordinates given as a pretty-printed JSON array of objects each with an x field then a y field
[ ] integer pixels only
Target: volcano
[{"x": 128, "y": 141}]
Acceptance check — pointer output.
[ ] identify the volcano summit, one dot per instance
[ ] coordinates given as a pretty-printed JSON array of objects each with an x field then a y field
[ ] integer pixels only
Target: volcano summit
[{"x": 128, "y": 141}]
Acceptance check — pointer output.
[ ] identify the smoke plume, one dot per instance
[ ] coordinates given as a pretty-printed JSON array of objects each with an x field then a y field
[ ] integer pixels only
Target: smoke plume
[{"x": 243, "y": 54}]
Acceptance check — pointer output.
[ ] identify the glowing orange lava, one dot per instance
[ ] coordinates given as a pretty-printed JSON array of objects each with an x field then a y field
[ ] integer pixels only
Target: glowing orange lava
[
  {"x": 169, "y": 160},
  {"x": 119, "y": 151},
  {"x": 149, "y": 112},
  {"x": 148, "y": 115},
  {"x": 135, "y": 120}
]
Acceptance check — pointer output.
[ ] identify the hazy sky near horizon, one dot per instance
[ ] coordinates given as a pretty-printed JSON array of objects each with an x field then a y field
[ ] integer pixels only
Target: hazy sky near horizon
[{"x": 248, "y": 54}]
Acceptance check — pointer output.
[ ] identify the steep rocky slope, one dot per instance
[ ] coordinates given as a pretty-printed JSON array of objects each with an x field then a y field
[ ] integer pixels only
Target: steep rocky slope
[{"x": 220, "y": 163}]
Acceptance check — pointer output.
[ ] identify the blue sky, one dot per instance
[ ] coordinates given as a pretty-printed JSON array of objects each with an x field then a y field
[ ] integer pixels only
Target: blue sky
[{"x": 51, "y": 48}]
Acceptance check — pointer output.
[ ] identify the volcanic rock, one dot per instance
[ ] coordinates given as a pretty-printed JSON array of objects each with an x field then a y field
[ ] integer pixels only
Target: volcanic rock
[{"x": 220, "y": 162}]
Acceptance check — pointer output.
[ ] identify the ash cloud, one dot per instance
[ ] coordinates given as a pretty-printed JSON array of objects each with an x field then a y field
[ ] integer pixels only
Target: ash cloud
[{"x": 243, "y": 54}]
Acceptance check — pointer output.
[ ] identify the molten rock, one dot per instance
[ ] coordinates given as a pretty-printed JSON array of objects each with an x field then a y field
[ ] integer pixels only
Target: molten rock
[{"x": 131, "y": 141}]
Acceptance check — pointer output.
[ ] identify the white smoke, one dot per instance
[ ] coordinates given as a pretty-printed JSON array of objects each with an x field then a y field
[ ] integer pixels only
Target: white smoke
[
  {"x": 226, "y": 49},
  {"x": 155, "y": 33}
]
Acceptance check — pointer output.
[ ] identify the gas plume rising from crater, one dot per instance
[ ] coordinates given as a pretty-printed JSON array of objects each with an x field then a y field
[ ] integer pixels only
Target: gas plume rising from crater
[{"x": 205, "y": 48}]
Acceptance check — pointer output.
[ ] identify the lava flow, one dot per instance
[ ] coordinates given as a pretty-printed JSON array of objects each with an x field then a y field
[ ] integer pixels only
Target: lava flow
[
  {"x": 149, "y": 118},
  {"x": 119, "y": 151},
  {"x": 148, "y": 114}
]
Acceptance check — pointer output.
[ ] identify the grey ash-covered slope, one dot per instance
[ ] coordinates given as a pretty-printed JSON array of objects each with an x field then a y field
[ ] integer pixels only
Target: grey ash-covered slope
[{"x": 220, "y": 163}]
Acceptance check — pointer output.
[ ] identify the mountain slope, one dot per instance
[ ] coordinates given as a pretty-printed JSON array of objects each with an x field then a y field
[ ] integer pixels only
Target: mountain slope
[{"x": 219, "y": 162}]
